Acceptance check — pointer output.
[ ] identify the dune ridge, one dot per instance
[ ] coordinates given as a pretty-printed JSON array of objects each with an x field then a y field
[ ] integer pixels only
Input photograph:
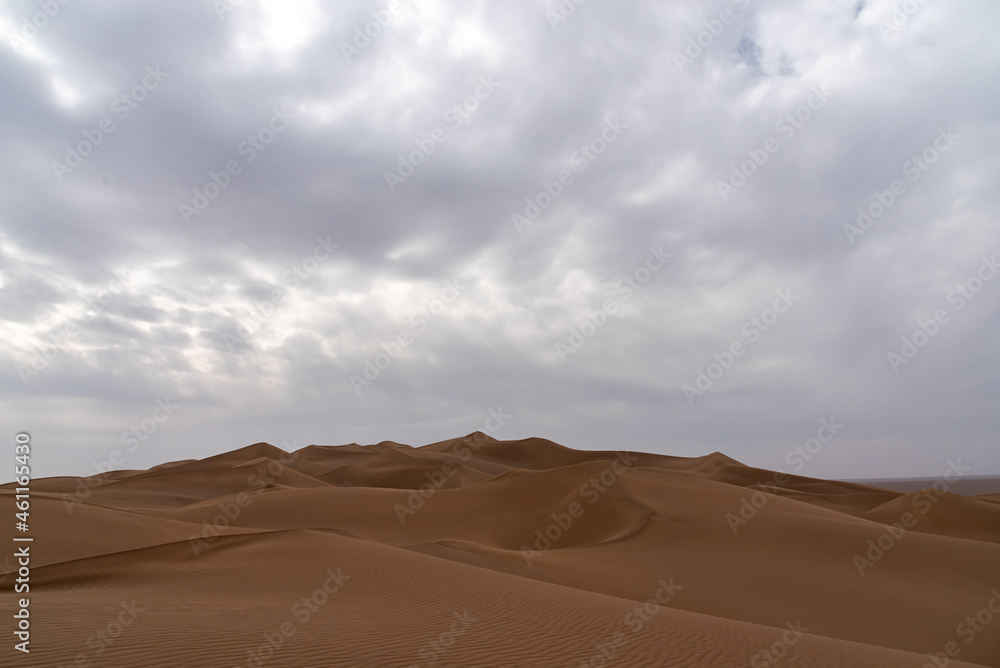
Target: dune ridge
[{"x": 479, "y": 552}]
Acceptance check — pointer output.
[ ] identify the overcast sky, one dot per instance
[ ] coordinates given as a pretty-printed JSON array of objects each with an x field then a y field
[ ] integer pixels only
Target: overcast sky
[{"x": 629, "y": 225}]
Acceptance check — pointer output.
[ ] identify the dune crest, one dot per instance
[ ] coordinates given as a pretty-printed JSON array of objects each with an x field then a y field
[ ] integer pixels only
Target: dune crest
[{"x": 479, "y": 552}]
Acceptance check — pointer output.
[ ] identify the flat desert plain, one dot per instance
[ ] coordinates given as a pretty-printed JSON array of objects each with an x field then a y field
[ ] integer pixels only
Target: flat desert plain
[{"x": 479, "y": 552}]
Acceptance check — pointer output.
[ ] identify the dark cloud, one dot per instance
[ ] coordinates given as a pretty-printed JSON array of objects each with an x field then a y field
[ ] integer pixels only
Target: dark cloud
[{"x": 231, "y": 240}]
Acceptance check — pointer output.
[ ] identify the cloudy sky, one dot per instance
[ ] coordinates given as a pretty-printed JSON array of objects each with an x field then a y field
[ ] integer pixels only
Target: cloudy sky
[{"x": 672, "y": 227}]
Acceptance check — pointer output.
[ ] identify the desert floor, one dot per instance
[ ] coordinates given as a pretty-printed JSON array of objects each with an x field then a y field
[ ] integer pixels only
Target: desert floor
[{"x": 478, "y": 552}]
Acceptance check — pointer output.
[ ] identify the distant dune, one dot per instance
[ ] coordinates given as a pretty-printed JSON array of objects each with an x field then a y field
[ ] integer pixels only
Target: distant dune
[
  {"x": 968, "y": 485},
  {"x": 478, "y": 552}
]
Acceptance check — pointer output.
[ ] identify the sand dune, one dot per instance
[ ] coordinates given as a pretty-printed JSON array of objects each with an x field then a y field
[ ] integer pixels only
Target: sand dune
[{"x": 478, "y": 552}]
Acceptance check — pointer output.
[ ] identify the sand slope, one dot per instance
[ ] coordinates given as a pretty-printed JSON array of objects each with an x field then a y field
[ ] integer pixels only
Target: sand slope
[{"x": 518, "y": 553}]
